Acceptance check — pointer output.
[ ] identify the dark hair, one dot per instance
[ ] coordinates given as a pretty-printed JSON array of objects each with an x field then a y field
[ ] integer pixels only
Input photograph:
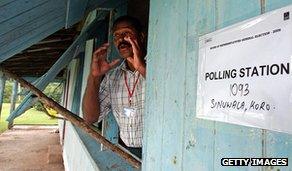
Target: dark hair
[{"x": 131, "y": 20}]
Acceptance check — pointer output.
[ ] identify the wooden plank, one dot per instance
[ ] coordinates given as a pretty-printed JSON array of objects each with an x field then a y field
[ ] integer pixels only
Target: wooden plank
[
  {"x": 234, "y": 140},
  {"x": 17, "y": 8},
  {"x": 78, "y": 82},
  {"x": 173, "y": 52},
  {"x": 230, "y": 12},
  {"x": 104, "y": 4},
  {"x": 275, "y": 4},
  {"x": 28, "y": 16},
  {"x": 31, "y": 26},
  {"x": 154, "y": 97},
  {"x": 32, "y": 37},
  {"x": 166, "y": 61},
  {"x": 75, "y": 11},
  {"x": 13, "y": 96},
  {"x": 277, "y": 144},
  {"x": 5, "y": 2},
  {"x": 198, "y": 148},
  {"x": 2, "y": 88}
]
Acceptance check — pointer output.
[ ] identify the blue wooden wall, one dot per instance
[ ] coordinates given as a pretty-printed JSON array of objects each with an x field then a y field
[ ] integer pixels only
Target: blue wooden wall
[{"x": 174, "y": 139}]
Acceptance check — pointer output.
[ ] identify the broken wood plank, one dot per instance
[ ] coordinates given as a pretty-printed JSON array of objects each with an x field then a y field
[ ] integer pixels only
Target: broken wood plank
[{"x": 76, "y": 120}]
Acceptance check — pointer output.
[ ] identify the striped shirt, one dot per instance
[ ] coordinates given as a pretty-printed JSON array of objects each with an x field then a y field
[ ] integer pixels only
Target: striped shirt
[{"x": 114, "y": 96}]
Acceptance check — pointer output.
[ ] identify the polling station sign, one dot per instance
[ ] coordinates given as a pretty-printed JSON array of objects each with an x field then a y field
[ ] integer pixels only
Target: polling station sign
[{"x": 245, "y": 73}]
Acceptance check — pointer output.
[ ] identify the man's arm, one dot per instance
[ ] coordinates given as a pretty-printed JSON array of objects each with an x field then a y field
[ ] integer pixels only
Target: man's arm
[{"x": 99, "y": 66}]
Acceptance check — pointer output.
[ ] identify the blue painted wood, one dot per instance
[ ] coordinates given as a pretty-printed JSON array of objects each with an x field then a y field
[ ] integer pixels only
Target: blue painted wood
[
  {"x": 230, "y": 12},
  {"x": 15, "y": 8},
  {"x": 104, "y": 4},
  {"x": 277, "y": 144},
  {"x": 205, "y": 142},
  {"x": 275, "y": 4},
  {"x": 199, "y": 138},
  {"x": 233, "y": 140},
  {"x": 106, "y": 160},
  {"x": 24, "y": 23},
  {"x": 5, "y": 2},
  {"x": 78, "y": 83},
  {"x": 27, "y": 16},
  {"x": 13, "y": 96},
  {"x": 29, "y": 27},
  {"x": 75, "y": 11},
  {"x": 165, "y": 109},
  {"x": 2, "y": 87},
  {"x": 31, "y": 32},
  {"x": 154, "y": 108},
  {"x": 175, "y": 60}
]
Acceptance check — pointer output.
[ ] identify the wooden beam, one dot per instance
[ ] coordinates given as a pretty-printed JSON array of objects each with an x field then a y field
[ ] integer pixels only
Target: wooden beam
[
  {"x": 56, "y": 46},
  {"x": 76, "y": 120},
  {"x": 55, "y": 39},
  {"x": 41, "y": 53},
  {"x": 13, "y": 99},
  {"x": 2, "y": 87},
  {"x": 60, "y": 64},
  {"x": 27, "y": 61},
  {"x": 66, "y": 43},
  {"x": 13, "y": 96},
  {"x": 32, "y": 57},
  {"x": 44, "y": 49}
]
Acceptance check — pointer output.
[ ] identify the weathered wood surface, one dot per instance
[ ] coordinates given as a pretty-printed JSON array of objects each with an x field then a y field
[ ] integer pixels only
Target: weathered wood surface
[
  {"x": 174, "y": 139},
  {"x": 2, "y": 88},
  {"x": 61, "y": 63},
  {"x": 14, "y": 95},
  {"x": 76, "y": 120}
]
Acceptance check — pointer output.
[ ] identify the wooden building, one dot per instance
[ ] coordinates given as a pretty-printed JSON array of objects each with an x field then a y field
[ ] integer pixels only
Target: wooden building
[{"x": 35, "y": 44}]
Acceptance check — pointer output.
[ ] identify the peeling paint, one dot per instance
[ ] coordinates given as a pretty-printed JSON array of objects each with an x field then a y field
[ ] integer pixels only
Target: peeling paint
[{"x": 191, "y": 143}]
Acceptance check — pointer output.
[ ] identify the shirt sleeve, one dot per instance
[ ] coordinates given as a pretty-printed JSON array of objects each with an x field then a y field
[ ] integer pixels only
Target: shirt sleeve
[{"x": 104, "y": 98}]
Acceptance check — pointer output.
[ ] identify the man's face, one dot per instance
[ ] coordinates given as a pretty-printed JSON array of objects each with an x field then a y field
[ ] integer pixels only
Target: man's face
[{"x": 122, "y": 30}]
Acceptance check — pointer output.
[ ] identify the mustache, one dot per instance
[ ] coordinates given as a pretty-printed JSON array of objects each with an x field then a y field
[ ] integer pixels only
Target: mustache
[{"x": 122, "y": 43}]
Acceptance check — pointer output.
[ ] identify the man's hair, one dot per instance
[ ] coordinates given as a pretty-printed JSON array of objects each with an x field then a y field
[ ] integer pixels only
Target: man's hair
[{"x": 131, "y": 20}]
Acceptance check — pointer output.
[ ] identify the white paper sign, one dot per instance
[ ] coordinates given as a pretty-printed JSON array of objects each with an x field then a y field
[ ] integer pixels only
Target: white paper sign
[{"x": 245, "y": 73}]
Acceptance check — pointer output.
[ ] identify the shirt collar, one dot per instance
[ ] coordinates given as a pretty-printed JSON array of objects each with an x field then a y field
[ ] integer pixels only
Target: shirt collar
[{"x": 123, "y": 67}]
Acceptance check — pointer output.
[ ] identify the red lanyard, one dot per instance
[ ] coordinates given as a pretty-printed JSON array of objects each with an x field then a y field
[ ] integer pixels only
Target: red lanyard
[{"x": 130, "y": 93}]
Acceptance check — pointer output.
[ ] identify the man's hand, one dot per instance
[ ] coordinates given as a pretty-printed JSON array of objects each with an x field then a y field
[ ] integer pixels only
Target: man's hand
[
  {"x": 99, "y": 65},
  {"x": 137, "y": 60}
]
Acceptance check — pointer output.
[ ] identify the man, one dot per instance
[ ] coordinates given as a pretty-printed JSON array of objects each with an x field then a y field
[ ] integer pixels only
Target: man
[{"x": 122, "y": 88}]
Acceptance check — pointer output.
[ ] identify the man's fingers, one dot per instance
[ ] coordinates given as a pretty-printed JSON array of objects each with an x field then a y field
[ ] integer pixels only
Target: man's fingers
[
  {"x": 134, "y": 45},
  {"x": 101, "y": 48},
  {"x": 101, "y": 51}
]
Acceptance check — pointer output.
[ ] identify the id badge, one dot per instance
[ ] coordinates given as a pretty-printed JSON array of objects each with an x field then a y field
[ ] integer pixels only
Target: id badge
[{"x": 129, "y": 111}]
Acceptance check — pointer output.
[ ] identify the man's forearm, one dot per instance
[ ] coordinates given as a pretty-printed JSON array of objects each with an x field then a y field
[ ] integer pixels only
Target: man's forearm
[
  {"x": 90, "y": 104},
  {"x": 142, "y": 70}
]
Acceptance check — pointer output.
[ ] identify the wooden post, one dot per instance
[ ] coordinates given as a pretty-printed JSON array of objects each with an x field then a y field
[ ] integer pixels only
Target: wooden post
[
  {"x": 2, "y": 87},
  {"x": 13, "y": 96},
  {"x": 74, "y": 119},
  {"x": 13, "y": 101}
]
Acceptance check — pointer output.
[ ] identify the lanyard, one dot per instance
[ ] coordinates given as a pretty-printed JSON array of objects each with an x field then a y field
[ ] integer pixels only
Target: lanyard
[{"x": 130, "y": 93}]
